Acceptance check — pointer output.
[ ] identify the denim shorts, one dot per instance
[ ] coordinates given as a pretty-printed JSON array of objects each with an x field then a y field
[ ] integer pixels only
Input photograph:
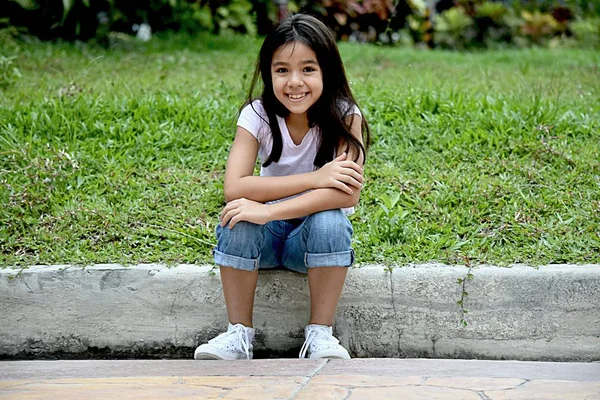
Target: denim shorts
[{"x": 318, "y": 240}]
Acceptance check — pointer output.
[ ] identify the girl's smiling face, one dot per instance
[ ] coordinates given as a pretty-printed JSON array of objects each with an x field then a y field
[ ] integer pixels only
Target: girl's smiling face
[{"x": 297, "y": 77}]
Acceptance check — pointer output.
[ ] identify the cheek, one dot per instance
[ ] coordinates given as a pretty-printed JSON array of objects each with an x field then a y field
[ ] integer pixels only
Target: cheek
[
  {"x": 278, "y": 83},
  {"x": 319, "y": 81},
  {"x": 319, "y": 86}
]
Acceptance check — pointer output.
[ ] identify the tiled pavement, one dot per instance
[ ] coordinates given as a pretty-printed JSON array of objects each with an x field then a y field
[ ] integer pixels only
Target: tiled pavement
[{"x": 299, "y": 379}]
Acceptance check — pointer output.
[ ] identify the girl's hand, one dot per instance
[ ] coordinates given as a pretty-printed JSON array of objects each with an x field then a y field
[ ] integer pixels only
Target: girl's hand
[
  {"x": 340, "y": 174},
  {"x": 244, "y": 210}
]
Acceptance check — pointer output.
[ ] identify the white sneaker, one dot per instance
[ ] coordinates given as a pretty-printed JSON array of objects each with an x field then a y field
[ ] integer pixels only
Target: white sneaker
[
  {"x": 235, "y": 344},
  {"x": 320, "y": 343}
]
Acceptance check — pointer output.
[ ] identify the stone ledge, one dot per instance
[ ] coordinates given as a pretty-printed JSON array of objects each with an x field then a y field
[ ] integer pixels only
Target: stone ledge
[{"x": 519, "y": 313}]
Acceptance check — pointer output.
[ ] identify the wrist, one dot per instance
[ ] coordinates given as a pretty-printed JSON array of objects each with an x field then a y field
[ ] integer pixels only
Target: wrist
[
  {"x": 313, "y": 180},
  {"x": 270, "y": 210}
]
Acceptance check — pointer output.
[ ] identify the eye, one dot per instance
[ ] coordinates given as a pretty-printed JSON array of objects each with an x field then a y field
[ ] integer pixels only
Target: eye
[
  {"x": 281, "y": 70},
  {"x": 309, "y": 69}
]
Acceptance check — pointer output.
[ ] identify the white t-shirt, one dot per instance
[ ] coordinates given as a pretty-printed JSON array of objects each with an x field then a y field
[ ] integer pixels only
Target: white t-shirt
[{"x": 295, "y": 159}]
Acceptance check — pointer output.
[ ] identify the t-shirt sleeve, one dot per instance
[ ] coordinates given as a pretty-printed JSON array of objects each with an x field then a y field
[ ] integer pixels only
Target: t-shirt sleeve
[
  {"x": 349, "y": 109},
  {"x": 250, "y": 119},
  {"x": 354, "y": 110}
]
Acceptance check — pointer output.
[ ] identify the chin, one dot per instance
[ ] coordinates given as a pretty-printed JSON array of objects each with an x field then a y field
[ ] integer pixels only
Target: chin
[{"x": 298, "y": 111}]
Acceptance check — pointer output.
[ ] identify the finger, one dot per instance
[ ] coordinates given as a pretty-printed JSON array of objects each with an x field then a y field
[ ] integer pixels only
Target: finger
[
  {"x": 343, "y": 187},
  {"x": 231, "y": 205},
  {"x": 353, "y": 182},
  {"x": 238, "y": 218},
  {"x": 228, "y": 207},
  {"x": 352, "y": 165},
  {"x": 357, "y": 177},
  {"x": 223, "y": 212},
  {"x": 230, "y": 214},
  {"x": 350, "y": 181},
  {"x": 341, "y": 157},
  {"x": 351, "y": 173}
]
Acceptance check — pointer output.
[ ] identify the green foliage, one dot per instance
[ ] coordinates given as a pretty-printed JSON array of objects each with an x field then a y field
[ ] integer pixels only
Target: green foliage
[
  {"x": 365, "y": 21},
  {"x": 495, "y": 11},
  {"x": 538, "y": 26},
  {"x": 454, "y": 29},
  {"x": 95, "y": 19},
  {"x": 586, "y": 31},
  {"x": 236, "y": 15},
  {"x": 468, "y": 24},
  {"x": 9, "y": 72},
  {"x": 118, "y": 155}
]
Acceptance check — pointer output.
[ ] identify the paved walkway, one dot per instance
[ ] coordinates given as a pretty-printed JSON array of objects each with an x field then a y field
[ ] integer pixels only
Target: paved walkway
[{"x": 299, "y": 379}]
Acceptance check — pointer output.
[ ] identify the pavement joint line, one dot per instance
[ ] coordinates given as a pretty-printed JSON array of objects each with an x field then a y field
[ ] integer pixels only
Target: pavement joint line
[
  {"x": 348, "y": 393},
  {"x": 525, "y": 382},
  {"x": 482, "y": 395},
  {"x": 309, "y": 378}
]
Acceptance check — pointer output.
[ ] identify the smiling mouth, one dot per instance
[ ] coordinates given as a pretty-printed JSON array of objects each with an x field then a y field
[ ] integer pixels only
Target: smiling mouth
[{"x": 297, "y": 96}]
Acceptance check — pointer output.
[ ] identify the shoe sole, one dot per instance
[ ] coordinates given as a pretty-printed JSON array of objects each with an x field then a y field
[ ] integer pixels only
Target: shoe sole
[
  {"x": 207, "y": 356},
  {"x": 329, "y": 356}
]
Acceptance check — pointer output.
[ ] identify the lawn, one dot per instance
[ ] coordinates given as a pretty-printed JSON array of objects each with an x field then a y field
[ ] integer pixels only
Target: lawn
[{"x": 118, "y": 155}]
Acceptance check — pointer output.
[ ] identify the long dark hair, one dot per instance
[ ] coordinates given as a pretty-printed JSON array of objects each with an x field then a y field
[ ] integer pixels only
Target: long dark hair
[{"x": 335, "y": 103}]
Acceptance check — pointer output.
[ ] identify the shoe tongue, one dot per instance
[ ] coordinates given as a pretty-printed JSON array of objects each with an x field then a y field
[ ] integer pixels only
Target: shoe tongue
[
  {"x": 249, "y": 330},
  {"x": 316, "y": 327}
]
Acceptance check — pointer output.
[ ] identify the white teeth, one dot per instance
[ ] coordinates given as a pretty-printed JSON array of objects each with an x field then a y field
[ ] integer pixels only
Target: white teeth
[{"x": 296, "y": 96}]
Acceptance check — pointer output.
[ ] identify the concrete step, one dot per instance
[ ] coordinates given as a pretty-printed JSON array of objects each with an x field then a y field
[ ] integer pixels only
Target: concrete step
[{"x": 110, "y": 311}]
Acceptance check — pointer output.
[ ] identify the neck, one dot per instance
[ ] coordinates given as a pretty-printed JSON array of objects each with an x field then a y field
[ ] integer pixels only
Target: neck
[{"x": 297, "y": 120}]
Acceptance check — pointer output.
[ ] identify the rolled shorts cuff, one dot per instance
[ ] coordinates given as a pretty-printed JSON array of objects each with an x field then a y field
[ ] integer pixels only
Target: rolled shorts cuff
[
  {"x": 227, "y": 260},
  {"x": 339, "y": 259}
]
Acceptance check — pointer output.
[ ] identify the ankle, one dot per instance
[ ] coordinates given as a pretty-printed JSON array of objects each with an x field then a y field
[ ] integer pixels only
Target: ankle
[
  {"x": 246, "y": 324},
  {"x": 320, "y": 323}
]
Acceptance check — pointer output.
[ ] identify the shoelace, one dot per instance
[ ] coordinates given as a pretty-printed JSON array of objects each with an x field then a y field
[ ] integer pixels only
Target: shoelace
[
  {"x": 316, "y": 334},
  {"x": 242, "y": 339}
]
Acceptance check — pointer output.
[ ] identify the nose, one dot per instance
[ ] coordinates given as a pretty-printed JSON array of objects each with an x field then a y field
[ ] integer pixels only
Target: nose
[{"x": 295, "y": 80}]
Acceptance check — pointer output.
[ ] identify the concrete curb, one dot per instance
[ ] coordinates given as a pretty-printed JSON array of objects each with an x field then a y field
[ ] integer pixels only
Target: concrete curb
[{"x": 519, "y": 313}]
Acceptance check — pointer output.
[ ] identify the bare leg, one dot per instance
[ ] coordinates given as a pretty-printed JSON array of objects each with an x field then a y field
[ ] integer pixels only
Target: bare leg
[
  {"x": 239, "y": 287},
  {"x": 325, "y": 285}
]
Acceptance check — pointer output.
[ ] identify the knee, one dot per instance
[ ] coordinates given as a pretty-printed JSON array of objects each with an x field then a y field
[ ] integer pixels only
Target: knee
[
  {"x": 328, "y": 231},
  {"x": 244, "y": 237}
]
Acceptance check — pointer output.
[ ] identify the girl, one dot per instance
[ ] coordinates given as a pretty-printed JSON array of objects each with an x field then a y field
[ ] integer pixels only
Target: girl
[{"x": 307, "y": 130}]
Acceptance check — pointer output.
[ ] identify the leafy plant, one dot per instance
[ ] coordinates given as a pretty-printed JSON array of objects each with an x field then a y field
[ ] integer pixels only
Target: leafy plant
[
  {"x": 390, "y": 217},
  {"x": 454, "y": 29},
  {"x": 586, "y": 31},
  {"x": 538, "y": 26},
  {"x": 492, "y": 10},
  {"x": 491, "y": 21},
  {"x": 95, "y": 19},
  {"x": 462, "y": 282},
  {"x": 236, "y": 15},
  {"x": 9, "y": 72},
  {"x": 362, "y": 21}
]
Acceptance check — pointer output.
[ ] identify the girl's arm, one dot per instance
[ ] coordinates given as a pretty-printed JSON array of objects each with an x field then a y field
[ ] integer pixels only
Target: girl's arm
[
  {"x": 240, "y": 182},
  {"x": 317, "y": 200},
  {"x": 324, "y": 198}
]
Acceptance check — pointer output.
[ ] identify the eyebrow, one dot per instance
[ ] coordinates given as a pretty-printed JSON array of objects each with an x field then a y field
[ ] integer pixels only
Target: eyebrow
[{"x": 304, "y": 62}]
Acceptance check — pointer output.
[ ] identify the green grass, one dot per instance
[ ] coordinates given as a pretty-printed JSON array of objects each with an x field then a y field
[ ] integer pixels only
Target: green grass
[{"x": 118, "y": 156}]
